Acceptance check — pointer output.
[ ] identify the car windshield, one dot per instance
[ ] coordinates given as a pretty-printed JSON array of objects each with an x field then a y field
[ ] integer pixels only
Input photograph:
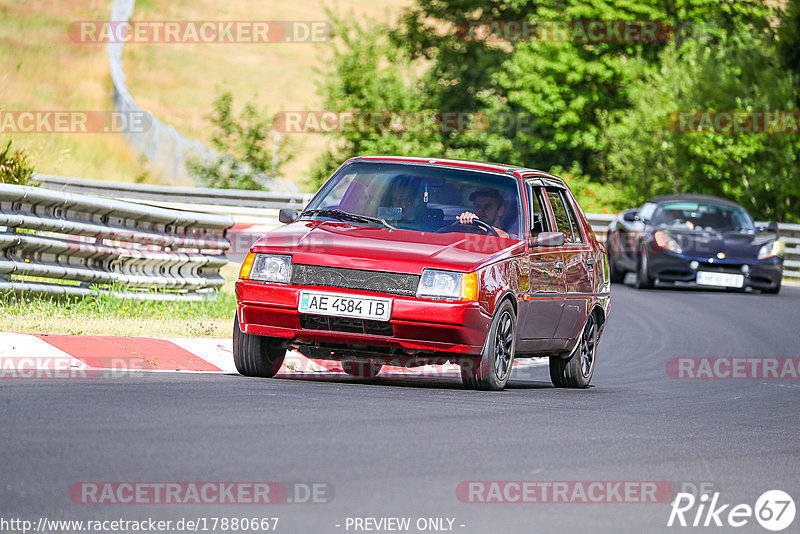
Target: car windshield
[
  {"x": 702, "y": 216},
  {"x": 419, "y": 197}
]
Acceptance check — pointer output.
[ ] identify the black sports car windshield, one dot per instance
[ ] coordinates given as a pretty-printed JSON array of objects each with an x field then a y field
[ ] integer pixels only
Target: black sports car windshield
[
  {"x": 418, "y": 197},
  {"x": 701, "y": 216}
]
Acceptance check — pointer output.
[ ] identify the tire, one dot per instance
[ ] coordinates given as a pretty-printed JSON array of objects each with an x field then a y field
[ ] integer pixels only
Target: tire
[
  {"x": 577, "y": 370},
  {"x": 643, "y": 280},
  {"x": 617, "y": 276},
  {"x": 256, "y": 355},
  {"x": 773, "y": 290},
  {"x": 361, "y": 369},
  {"x": 491, "y": 373}
]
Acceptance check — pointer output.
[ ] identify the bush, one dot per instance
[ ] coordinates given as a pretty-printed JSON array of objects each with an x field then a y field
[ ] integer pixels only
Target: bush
[
  {"x": 245, "y": 148},
  {"x": 15, "y": 167}
]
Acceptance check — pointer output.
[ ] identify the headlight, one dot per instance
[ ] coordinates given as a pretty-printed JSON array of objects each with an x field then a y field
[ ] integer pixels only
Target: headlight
[
  {"x": 773, "y": 248},
  {"x": 665, "y": 241},
  {"x": 448, "y": 285},
  {"x": 267, "y": 268}
]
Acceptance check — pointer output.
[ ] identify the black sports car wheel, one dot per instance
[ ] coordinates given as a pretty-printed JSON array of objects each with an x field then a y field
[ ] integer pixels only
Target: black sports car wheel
[
  {"x": 643, "y": 280},
  {"x": 256, "y": 355},
  {"x": 577, "y": 370},
  {"x": 494, "y": 368},
  {"x": 616, "y": 274}
]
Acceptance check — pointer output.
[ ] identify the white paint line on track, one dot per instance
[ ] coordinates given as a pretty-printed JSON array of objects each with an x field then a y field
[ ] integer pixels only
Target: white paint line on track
[{"x": 32, "y": 352}]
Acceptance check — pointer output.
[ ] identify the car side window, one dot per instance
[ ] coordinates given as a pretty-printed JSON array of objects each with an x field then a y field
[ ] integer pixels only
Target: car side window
[
  {"x": 539, "y": 220},
  {"x": 560, "y": 213},
  {"x": 577, "y": 235}
]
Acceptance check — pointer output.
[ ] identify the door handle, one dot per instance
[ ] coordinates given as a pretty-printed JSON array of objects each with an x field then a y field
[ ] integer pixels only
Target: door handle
[
  {"x": 559, "y": 266},
  {"x": 590, "y": 264}
]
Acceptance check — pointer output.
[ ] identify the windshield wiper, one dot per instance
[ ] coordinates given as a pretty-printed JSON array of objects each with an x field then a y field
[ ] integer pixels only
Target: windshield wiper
[{"x": 345, "y": 216}]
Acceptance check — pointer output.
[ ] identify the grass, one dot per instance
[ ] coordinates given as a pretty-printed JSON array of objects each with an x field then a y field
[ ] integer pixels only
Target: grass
[
  {"x": 41, "y": 69},
  {"x": 103, "y": 314},
  {"x": 277, "y": 76}
]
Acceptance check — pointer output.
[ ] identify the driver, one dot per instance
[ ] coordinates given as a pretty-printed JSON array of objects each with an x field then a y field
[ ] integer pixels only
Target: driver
[{"x": 488, "y": 205}]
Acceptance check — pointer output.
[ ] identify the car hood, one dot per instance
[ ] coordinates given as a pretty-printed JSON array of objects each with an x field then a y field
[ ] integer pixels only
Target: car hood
[
  {"x": 336, "y": 244},
  {"x": 707, "y": 244}
]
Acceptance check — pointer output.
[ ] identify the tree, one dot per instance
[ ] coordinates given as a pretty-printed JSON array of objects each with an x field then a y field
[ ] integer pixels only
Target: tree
[
  {"x": 245, "y": 150},
  {"x": 652, "y": 151},
  {"x": 377, "y": 84}
]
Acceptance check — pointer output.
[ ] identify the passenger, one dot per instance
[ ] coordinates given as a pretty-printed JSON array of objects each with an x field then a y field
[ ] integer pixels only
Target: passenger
[{"x": 488, "y": 205}]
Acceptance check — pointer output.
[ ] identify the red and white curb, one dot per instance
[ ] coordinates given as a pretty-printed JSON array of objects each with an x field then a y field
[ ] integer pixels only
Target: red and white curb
[{"x": 57, "y": 356}]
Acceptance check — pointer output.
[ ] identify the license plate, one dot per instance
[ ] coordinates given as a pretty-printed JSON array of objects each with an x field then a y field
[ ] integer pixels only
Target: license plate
[
  {"x": 720, "y": 279},
  {"x": 339, "y": 305}
]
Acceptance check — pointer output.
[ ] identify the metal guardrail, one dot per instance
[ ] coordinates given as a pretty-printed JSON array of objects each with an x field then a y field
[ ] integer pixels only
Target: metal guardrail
[
  {"x": 194, "y": 195},
  {"x": 262, "y": 206},
  {"x": 50, "y": 241}
]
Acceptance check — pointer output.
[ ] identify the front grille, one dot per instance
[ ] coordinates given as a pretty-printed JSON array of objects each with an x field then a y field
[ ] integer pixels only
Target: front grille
[
  {"x": 721, "y": 268},
  {"x": 391, "y": 283},
  {"x": 346, "y": 324}
]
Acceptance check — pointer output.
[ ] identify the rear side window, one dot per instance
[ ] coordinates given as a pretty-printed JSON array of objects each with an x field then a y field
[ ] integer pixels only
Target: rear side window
[
  {"x": 573, "y": 219},
  {"x": 560, "y": 213},
  {"x": 539, "y": 220}
]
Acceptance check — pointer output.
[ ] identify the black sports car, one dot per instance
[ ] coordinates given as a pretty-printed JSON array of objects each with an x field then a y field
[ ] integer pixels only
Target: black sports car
[{"x": 696, "y": 239}]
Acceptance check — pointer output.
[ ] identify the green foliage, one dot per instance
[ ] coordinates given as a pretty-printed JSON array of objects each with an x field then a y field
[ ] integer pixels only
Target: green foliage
[
  {"x": 245, "y": 148},
  {"x": 650, "y": 153},
  {"x": 596, "y": 112},
  {"x": 593, "y": 197},
  {"x": 368, "y": 73},
  {"x": 15, "y": 167},
  {"x": 789, "y": 40}
]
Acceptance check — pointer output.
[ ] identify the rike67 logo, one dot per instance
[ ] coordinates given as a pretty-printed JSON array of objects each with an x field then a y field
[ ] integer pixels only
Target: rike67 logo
[{"x": 774, "y": 510}]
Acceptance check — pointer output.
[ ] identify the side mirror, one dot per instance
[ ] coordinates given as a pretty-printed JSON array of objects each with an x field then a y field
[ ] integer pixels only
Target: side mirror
[
  {"x": 772, "y": 227},
  {"x": 287, "y": 215},
  {"x": 629, "y": 216},
  {"x": 547, "y": 239}
]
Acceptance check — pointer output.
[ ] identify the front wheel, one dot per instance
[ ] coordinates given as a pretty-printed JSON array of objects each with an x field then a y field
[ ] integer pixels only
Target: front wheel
[
  {"x": 256, "y": 355},
  {"x": 643, "y": 280},
  {"x": 577, "y": 370},
  {"x": 494, "y": 368},
  {"x": 617, "y": 276}
]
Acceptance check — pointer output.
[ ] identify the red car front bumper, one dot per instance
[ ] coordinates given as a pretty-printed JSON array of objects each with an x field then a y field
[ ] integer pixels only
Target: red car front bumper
[{"x": 418, "y": 324}]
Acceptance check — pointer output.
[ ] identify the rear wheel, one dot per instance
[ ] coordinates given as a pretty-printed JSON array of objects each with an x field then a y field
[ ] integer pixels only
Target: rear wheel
[
  {"x": 577, "y": 370},
  {"x": 643, "y": 280},
  {"x": 361, "y": 369},
  {"x": 256, "y": 355},
  {"x": 494, "y": 368}
]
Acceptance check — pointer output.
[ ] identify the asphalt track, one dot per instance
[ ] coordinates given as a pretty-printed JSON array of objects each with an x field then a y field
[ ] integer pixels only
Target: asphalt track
[{"x": 399, "y": 448}]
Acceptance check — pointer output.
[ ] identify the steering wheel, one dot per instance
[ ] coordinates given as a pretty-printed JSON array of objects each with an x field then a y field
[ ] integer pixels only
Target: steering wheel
[{"x": 477, "y": 224}]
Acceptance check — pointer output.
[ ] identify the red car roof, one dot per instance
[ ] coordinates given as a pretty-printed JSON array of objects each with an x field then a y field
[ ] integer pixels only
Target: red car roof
[{"x": 466, "y": 164}]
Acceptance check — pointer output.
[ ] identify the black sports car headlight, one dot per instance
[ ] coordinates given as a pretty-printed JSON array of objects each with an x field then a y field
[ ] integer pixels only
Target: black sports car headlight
[
  {"x": 770, "y": 249},
  {"x": 667, "y": 242}
]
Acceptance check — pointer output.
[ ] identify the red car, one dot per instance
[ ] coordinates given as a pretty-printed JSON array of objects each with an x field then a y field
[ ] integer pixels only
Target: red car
[{"x": 412, "y": 261}]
